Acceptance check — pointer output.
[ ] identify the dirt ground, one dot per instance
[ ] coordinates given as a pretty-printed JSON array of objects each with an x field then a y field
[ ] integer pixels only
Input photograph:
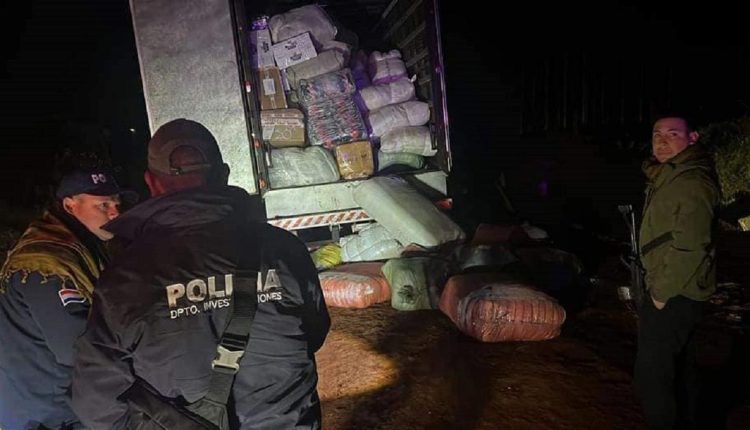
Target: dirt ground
[{"x": 384, "y": 369}]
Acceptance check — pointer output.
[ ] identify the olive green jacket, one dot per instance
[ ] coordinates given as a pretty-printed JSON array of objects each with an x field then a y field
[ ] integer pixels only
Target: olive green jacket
[{"x": 677, "y": 232}]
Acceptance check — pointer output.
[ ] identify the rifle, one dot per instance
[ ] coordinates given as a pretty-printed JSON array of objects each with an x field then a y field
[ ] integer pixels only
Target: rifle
[{"x": 634, "y": 294}]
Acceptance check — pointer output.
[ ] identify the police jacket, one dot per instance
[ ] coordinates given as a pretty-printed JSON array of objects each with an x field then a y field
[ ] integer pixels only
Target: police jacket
[
  {"x": 161, "y": 307},
  {"x": 44, "y": 288}
]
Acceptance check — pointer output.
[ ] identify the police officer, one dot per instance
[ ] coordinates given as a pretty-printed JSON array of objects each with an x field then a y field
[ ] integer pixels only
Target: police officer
[
  {"x": 159, "y": 320},
  {"x": 46, "y": 285}
]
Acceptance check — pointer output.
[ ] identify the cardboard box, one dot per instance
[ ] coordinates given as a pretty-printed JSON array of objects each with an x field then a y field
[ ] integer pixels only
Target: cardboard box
[
  {"x": 283, "y": 128},
  {"x": 261, "y": 54},
  {"x": 355, "y": 160},
  {"x": 271, "y": 91},
  {"x": 294, "y": 51}
]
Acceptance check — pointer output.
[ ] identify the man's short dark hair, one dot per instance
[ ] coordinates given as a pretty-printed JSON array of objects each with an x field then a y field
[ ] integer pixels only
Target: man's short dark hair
[{"x": 675, "y": 113}]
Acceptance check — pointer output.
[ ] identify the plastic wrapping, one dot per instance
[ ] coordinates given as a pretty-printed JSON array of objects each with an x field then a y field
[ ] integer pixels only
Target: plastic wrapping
[
  {"x": 405, "y": 213},
  {"x": 355, "y": 160},
  {"x": 334, "y": 45},
  {"x": 334, "y": 121},
  {"x": 296, "y": 166},
  {"x": 373, "y": 242},
  {"x": 325, "y": 62},
  {"x": 483, "y": 258},
  {"x": 310, "y": 18},
  {"x": 404, "y": 114},
  {"x": 410, "y": 280},
  {"x": 491, "y": 308},
  {"x": 387, "y": 159},
  {"x": 327, "y": 256},
  {"x": 377, "y": 96},
  {"x": 323, "y": 87},
  {"x": 357, "y": 285},
  {"x": 386, "y": 67},
  {"x": 359, "y": 70},
  {"x": 413, "y": 140}
]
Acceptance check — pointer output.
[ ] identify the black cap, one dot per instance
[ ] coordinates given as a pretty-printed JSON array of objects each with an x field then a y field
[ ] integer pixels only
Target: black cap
[
  {"x": 177, "y": 133},
  {"x": 97, "y": 182}
]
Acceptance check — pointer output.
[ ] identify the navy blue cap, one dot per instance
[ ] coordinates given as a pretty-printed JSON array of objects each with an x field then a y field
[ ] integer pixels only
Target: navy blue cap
[{"x": 97, "y": 182}]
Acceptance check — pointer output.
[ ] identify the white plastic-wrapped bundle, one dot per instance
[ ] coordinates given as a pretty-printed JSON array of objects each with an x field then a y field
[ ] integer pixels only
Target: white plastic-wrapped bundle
[
  {"x": 378, "y": 96},
  {"x": 373, "y": 242},
  {"x": 334, "y": 121},
  {"x": 405, "y": 213},
  {"x": 386, "y": 67},
  {"x": 325, "y": 62},
  {"x": 413, "y": 140},
  {"x": 393, "y": 54},
  {"x": 387, "y": 159},
  {"x": 326, "y": 86},
  {"x": 296, "y": 166},
  {"x": 310, "y": 18},
  {"x": 334, "y": 45},
  {"x": 404, "y": 114}
]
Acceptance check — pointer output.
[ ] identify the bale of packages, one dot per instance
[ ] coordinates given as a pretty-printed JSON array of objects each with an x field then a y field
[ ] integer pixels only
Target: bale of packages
[
  {"x": 311, "y": 18},
  {"x": 494, "y": 308},
  {"x": 297, "y": 166},
  {"x": 324, "y": 87},
  {"x": 386, "y": 67},
  {"x": 327, "y": 256},
  {"x": 413, "y": 280},
  {"x": 356, "y": 285},
  {"x": 373, "y": 242},
  {"x": 283, "y": 127},
  {"x": 391, "y": 117},
  {"x": 325, "y": 62},
  {"x": 405, "y": 213},
  {"x": 355, "y": 160},
  {"x": 376, "y": 96},
  {"x": 412, "y": 140},
  {"x": 403, "y": 159},
  {"x": 334, "y": 121}
]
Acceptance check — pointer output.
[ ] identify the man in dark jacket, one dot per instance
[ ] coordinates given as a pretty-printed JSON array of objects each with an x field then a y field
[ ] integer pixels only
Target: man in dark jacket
[
  {"x": 46, "y": 285},
  {"x": 678, "y": 254},
  {"x": 161, "y": 308}
]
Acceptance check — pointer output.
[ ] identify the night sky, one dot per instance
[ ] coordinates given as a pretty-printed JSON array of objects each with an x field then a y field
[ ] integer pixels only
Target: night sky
[{"x": 70, "y": 78}]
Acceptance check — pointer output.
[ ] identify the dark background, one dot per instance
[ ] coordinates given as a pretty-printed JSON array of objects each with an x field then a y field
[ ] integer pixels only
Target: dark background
[{"x": 555, "y": 97}]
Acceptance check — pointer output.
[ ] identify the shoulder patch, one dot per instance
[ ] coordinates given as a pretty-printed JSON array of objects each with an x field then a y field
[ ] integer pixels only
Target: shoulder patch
[{"x": 70, "y": 295}]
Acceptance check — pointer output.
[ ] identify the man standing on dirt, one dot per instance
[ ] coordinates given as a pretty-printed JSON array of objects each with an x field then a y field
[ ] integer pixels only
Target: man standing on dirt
[
  {"x": 46, "y": 286},
  {"x": 678, "y": 255},
  {"x": 206, "y": 307}
]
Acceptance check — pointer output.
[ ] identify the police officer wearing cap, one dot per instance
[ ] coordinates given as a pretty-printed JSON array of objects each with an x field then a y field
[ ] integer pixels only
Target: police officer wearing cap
[
  {"x": 210, "y": 317},
  {"x": 46, "y": 285}
]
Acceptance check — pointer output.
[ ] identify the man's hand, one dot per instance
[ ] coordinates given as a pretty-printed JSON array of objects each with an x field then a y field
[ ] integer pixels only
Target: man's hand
[{"x": 659, "y": 305}]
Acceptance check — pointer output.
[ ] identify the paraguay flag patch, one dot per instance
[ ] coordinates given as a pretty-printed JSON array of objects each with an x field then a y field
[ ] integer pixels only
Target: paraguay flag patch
[{"x": 70, "y": 295}]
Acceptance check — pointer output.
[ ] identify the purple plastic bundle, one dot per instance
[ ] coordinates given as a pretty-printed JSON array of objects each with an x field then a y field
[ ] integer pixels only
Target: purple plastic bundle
[
  {"x": 359, "y": 70},
  {"x": 260, "y": 23}
]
